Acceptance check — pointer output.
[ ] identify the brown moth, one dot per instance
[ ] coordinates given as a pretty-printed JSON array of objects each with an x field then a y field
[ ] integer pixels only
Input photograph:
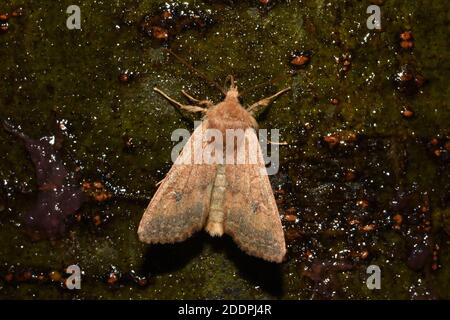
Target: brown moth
[{"x": 235, "y": 199}]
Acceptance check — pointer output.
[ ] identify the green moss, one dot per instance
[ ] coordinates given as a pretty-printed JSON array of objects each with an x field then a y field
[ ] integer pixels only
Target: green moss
[{"x": 47, "y": 69}]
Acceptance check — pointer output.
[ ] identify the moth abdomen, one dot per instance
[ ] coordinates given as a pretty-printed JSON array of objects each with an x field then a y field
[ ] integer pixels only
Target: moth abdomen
[{"x": 216, "y": 215}]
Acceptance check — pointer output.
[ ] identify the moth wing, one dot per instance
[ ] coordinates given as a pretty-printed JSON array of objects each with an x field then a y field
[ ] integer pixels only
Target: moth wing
[
  {"x": 252, "y": 217},
  {"x": 180, "y": 206}
]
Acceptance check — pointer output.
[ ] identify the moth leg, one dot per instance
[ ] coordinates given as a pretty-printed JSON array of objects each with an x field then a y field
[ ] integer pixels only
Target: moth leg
[
  {"x": 262, "y": 104},
  {"x": 188, "y": 108},
  {"x": 159, "y": 182},
  {"x": 201, "y": 103}
]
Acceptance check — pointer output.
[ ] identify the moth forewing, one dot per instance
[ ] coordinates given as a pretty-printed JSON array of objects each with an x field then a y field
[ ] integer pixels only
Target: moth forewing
[
  {"x": 213, "y": 147},
  {"x": 252, "y": 217},
  {"x": 253, "y": 150},
  {"x": 180, "y": 206}
]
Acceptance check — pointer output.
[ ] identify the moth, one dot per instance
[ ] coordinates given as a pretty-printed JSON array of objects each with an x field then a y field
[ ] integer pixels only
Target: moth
[{"x": 219, "y": 197}]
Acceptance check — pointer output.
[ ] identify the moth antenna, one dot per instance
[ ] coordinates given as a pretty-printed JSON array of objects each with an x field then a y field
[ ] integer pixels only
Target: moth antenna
[
  {"x": 265, "y": 83},
  {"x": 198, "y": 72},
  {"x": 230, "y": 79}
]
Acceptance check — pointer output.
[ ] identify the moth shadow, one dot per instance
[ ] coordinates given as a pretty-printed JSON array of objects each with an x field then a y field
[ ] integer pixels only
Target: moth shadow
[
  {"x": 166, "y": 258},
  {"x": 267, "y": 275}
]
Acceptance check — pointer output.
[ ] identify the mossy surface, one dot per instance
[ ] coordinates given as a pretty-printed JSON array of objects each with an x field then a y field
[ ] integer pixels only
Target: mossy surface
[{"x": 344, "y": 196}]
